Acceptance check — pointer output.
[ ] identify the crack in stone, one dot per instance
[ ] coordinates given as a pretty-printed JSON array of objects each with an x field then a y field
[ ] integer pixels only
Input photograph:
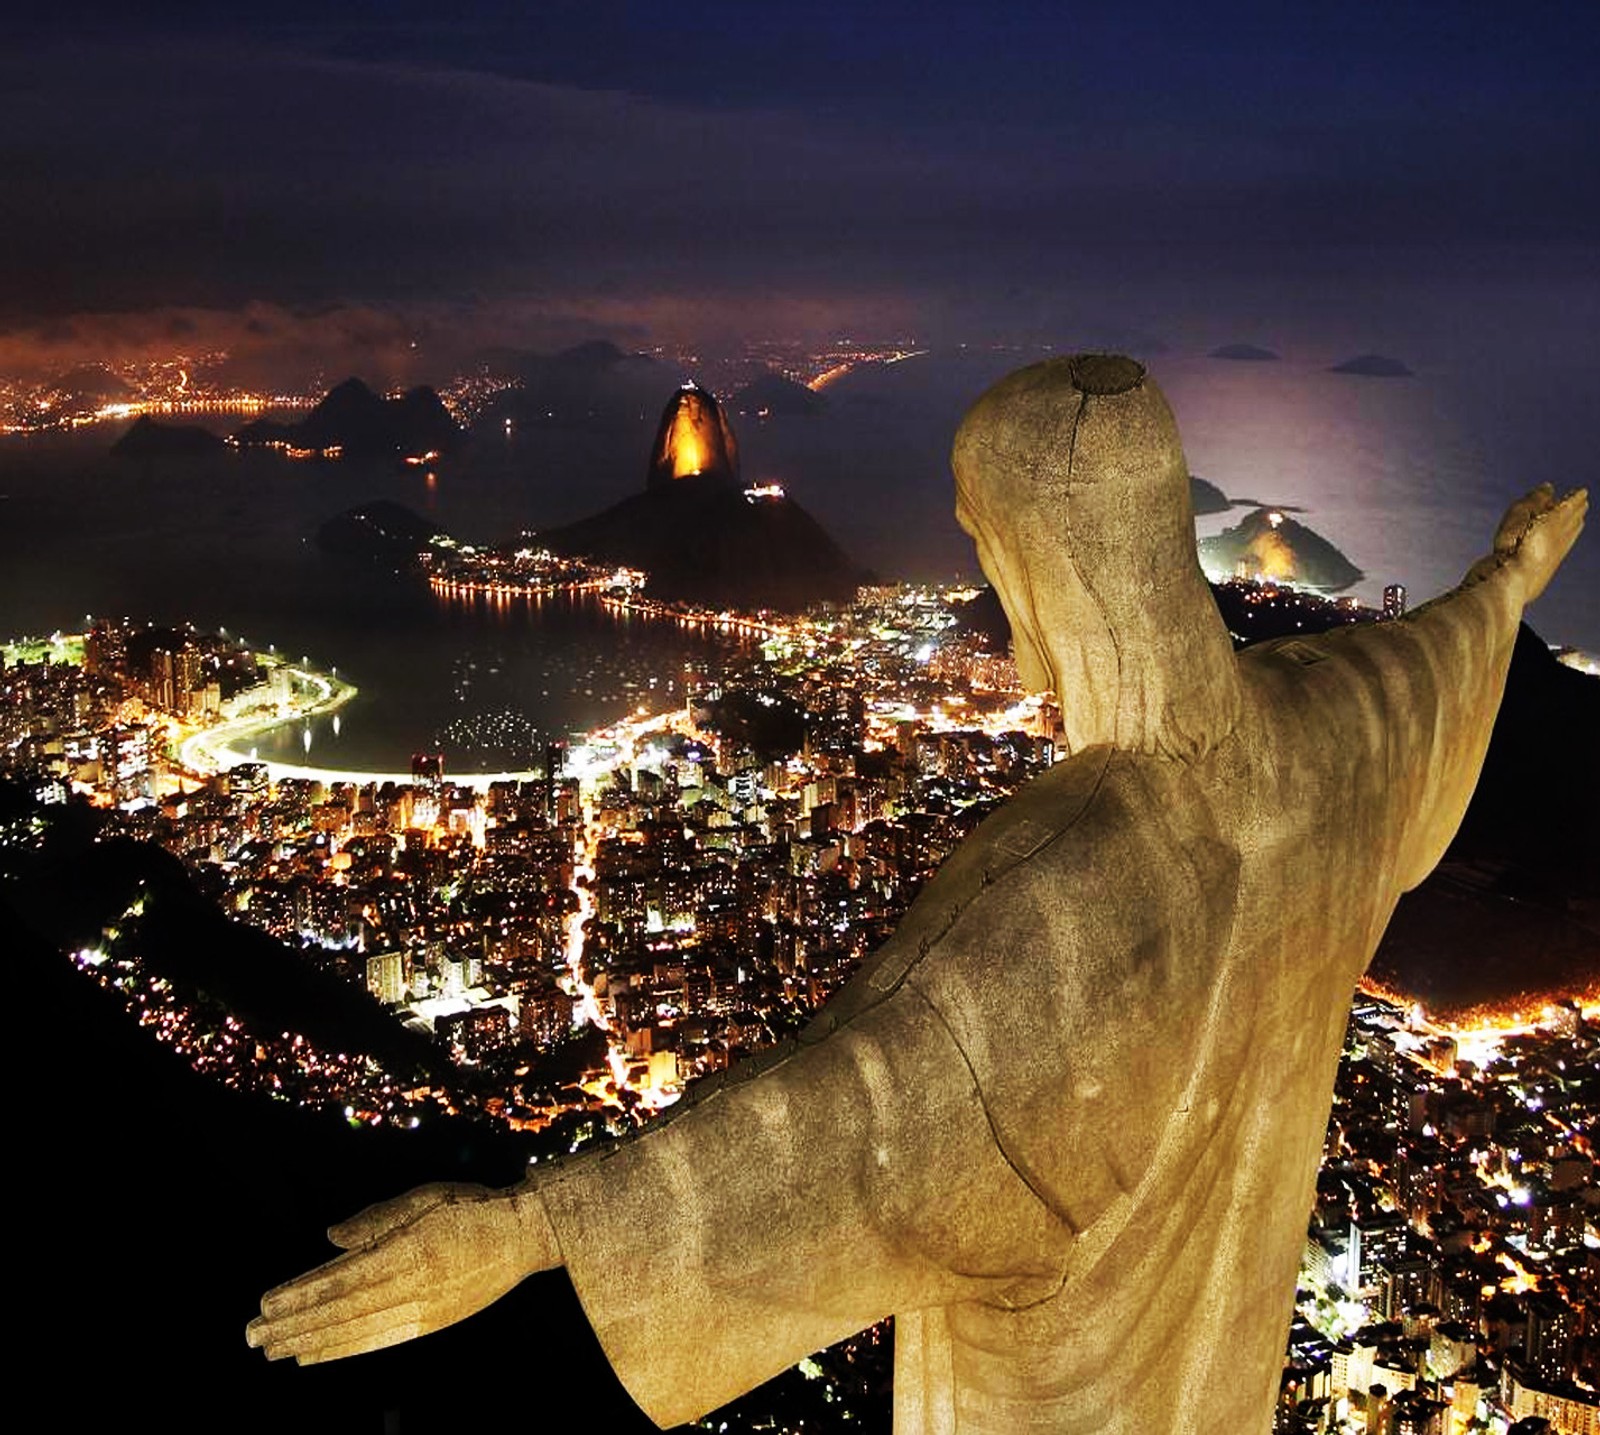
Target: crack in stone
[{"x": 994, "y": 1131}]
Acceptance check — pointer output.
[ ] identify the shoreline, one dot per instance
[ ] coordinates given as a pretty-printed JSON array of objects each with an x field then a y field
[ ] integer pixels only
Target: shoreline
[{"x": 216, "y": 749}]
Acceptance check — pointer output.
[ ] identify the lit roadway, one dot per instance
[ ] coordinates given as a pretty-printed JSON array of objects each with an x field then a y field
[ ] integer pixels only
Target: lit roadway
[{"x": 610, "y": 749}]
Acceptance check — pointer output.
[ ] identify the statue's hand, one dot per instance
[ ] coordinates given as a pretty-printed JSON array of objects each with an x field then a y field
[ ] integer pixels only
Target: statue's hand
[
  {"x": 411, "y": 1266},
  {"x": 1534, "y": 536}
]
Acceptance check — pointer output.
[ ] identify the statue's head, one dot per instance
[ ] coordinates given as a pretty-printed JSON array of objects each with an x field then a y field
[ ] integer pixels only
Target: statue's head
[{"x": 1072, "y": 482}]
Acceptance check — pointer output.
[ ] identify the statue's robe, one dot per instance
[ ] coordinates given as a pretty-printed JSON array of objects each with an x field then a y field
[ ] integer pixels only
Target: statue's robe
[{"x": 1065, "y": 1125}]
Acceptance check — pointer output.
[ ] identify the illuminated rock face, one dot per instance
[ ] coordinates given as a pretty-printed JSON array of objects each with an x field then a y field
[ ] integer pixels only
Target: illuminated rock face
[
  {"x": 694, "y": 438},
  {"x": 1270, "y": 543}
]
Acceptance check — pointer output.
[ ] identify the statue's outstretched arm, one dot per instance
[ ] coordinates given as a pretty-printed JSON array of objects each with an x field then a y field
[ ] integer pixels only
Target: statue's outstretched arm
[
  {"x": 854, "y": 1176},
  {"x": 1430, "y": 685}
]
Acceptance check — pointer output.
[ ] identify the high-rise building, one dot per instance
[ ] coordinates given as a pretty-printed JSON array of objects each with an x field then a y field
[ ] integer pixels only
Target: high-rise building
[
  {"x": 125, "y": 762},
  {"x": 1570, "y": 1409},
  {"x": 106, "y": 649},
  {"x": 547, "y": 1015},
  {"x": 1552, "y": 1326},
  {"x": 1394, "y": 600},
  {"x": 386, "y": 977}
]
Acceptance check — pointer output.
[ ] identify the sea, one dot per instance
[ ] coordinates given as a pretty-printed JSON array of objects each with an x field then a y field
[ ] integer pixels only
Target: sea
[
  {"x": 1406, "y": 476},
  {"x": 230, "y": 544}
]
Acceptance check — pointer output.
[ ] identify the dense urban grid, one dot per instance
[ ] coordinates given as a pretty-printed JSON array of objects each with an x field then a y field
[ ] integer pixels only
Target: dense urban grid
[{"x": 577, "y": 943}]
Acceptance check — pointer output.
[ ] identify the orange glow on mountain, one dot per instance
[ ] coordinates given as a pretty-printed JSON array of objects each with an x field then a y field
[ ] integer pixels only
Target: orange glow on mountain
[
  {"x": 1274, "y": 558},
  {"x": 685, "y": 451},
  {"x": 694, "y": 438}
]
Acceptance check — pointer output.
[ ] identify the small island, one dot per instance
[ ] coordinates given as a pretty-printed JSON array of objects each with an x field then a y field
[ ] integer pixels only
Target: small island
[
  {"x": 1373, "y": 366},
  {"x": 147, "y": 439},
  {"x": 1243, "y": 353},
  {"x": 354, "y": 424}
]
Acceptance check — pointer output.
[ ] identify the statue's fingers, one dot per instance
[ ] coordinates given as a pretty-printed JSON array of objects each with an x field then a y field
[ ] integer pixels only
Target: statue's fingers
[
  {"x": 1518, "y": 519},
  {"x": 391, "y": 1335},
  {"x": 372, "y": 1224},
  {"x": 271, "y": 1330},
  {"x": 340, "y": 1277},
  {"x": 350, "y": 1337},
  {"x": 1563, "y": 515},
  {"x": 326, "y": 1282},
  {"x": 1537, "y": 499},
  {"x": 1566, "y": 517}
]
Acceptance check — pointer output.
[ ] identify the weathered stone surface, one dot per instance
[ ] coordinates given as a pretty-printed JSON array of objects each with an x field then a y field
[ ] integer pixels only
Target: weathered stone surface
[{"x": 1065, "y": 1124}]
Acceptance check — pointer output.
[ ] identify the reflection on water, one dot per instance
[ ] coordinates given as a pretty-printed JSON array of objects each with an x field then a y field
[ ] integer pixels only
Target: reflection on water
[{"x": 492, "y": 683}]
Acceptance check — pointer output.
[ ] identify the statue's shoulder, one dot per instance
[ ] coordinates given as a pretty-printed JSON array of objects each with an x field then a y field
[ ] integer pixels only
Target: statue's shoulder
[
  {"x": 1344, "y": 686},
  {"x": 1367, "y": 652},
  {"x": 1095, "y": 820},
  {"x": 1032, "y": 819}
]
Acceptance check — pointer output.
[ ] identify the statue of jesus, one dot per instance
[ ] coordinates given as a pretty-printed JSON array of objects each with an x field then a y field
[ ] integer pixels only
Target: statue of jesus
[{"x": 1065, "y": 1125}]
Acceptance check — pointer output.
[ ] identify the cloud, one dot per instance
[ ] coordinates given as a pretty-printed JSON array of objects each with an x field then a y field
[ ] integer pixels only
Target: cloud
[
  {"x": 199, "y": 175},
  {"x": 204, "y": 174}
]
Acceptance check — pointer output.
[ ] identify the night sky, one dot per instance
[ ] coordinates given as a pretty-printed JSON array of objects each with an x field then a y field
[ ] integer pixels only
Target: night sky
[{"x": 1420, "y": 175}]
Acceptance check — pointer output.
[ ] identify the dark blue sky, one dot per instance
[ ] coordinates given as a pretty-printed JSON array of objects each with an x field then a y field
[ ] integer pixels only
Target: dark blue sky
[{"x": 925, "y": 165}]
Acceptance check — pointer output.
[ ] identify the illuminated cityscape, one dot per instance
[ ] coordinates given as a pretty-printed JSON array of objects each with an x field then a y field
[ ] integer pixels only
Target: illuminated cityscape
[
  {"x": 669, "y": 834},
  {"x": 579, "y": 751},
  {"x": 174, "y": 385},
  {"x": 686, "y": 885}
]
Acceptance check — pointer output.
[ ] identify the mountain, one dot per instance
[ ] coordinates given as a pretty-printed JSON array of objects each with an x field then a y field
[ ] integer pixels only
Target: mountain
[
  {"x": 772, "y": 394},
  {"x": 1205, "y": 497},
  {"x": 700, "y": 536},
  {"x": 352, "y": 422},
  {"x": 72, "y": 889},
  {"x": 1373, "y": 366},
  {"x": 382, "y": 530},
  {"x": 702, "y": 541},
  {"x": 1243, "y": 353},
  {"x": 423, "y": 424},
  {"x": 1271, "y": 544},
  {"x": 147, "y": 439},
  {"x": 92, "y": 383}
]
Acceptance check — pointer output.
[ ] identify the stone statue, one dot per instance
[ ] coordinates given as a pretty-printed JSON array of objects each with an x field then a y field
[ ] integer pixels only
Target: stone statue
[{"x": 1065, "y": 1125}]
